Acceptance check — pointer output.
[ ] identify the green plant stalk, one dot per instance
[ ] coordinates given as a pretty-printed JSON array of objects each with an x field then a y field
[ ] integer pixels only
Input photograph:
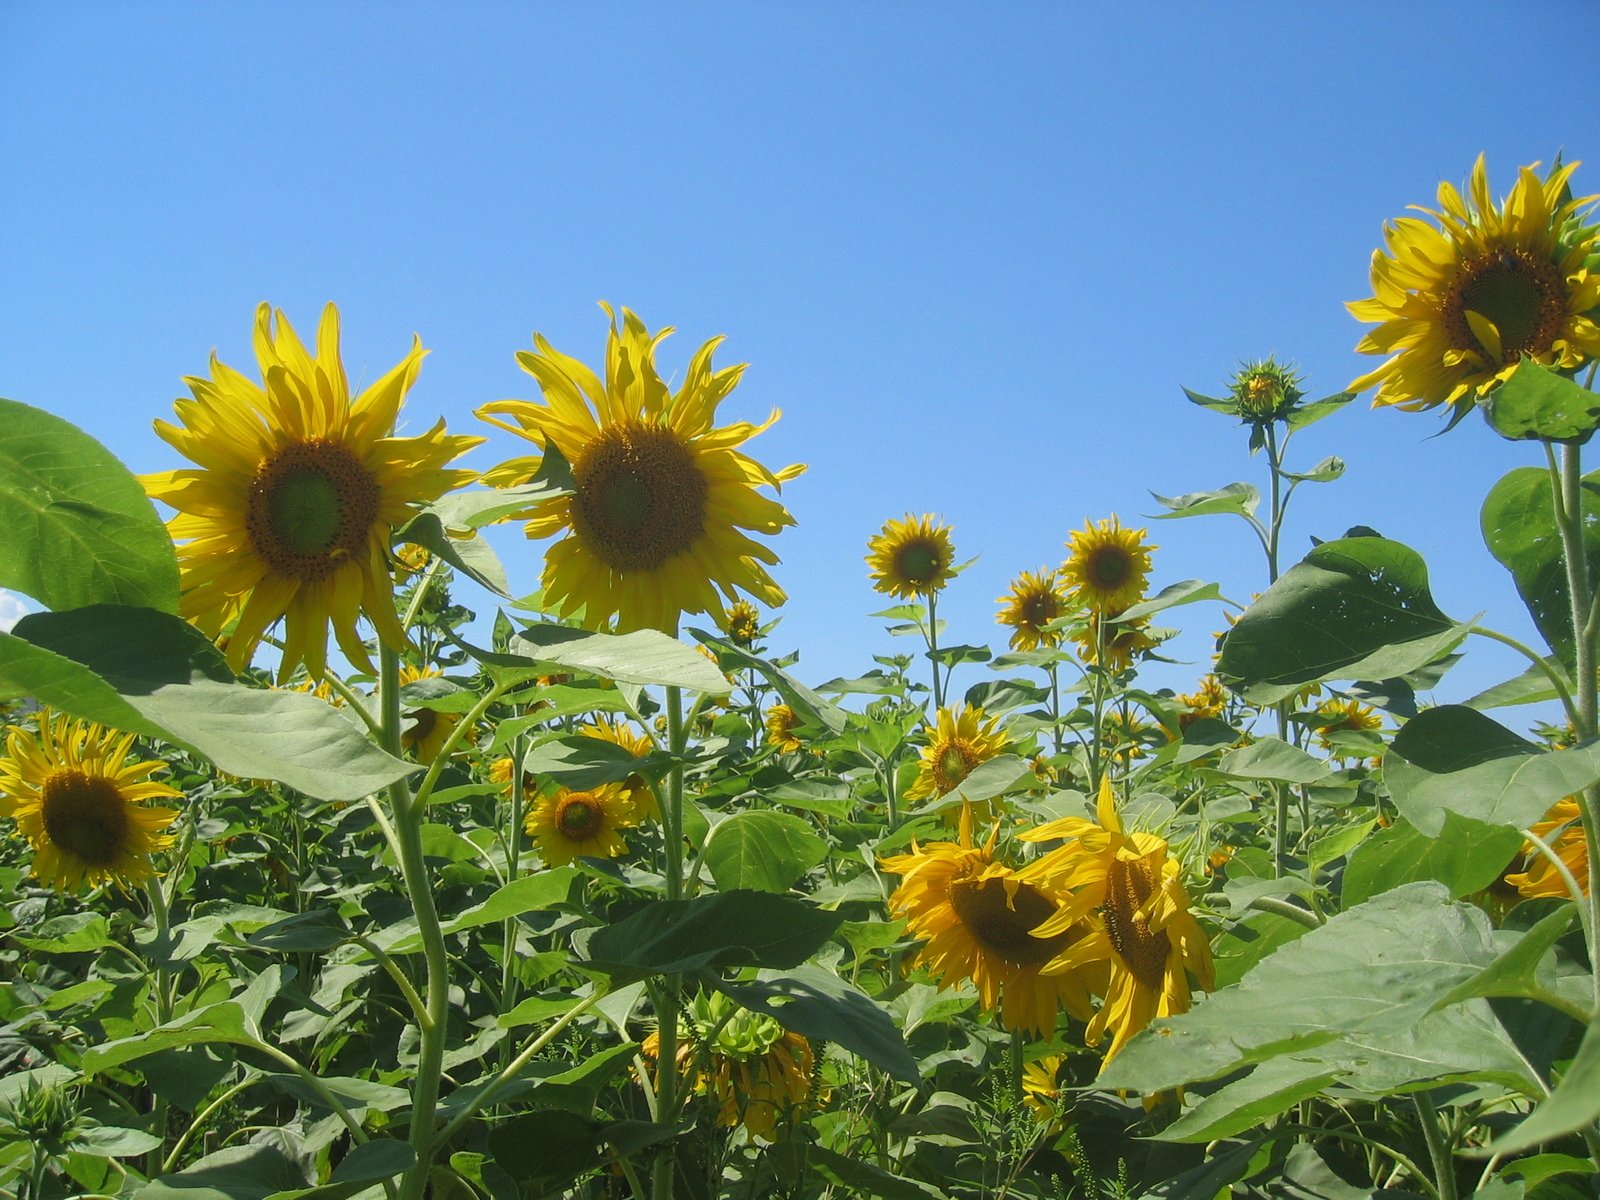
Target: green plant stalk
[
  {"x": 200, "y": 1119},
  {"x": 933, "y": 648},
  {"x": 433, "y": 1028},
  {"x": 1568, "y": 705},
  {"x": 662, "y": 1176},
  {"x": 160, "y": 986},
  {"x": 1444, "y": 1174},
  {"x": 508, "y": 969}
]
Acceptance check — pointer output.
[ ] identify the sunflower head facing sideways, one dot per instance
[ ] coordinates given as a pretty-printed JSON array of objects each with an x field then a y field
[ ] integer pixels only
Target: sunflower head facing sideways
[
  {"x": 636, "y": 789},
  {"x": 1107, "y": 566},
  {"x": 1460, "y": 301},
  {"x": 288, "y": 514},
  {"x": 73, "y": 794},
  {"x": 911, "y": 558},
  {"x": 654, "y": 526},
  {"x": 744, "y": 624},
  {"x": 957, "y": 742},
  {"x": 426, "y": 729},
  {"x": 1034, "y": 601},
  {"x": 781, "y": 723}
]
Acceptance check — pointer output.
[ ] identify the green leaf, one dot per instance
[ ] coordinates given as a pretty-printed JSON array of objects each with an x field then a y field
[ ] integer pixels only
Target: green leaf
[
  {"x": 535, "y": 1010},
  {"x": 1519, "y": 527},
  {"x": 221, "y": 1022},
  {"x": 531, "y": 893},
  {"x": 1186, "y": 591},
  {"x": 860, "y": 1178},
  {"x": 1355, "y": 608},
  {"x": 811, "y": 708},
  {"x": 238, "y": 1173},
  {"x": 646, "y": 656},
  {"x": 1574, "y": 1105},
  {"x": 1325, "y": 471},
  {"x": 1240, "y": 498},
  {"x": 470, "y": 554},
  {"x": 765, "y": 851},
  {"x": 1267, "y": 1091},
  {"x": 1273, "y": 759},
  {"x": 72, "y": 933},
  {"x": 1536, "y": 403},
  {"x": 729, "y": 929},
  {"x": 1310, "y": 414},
  {"x": 1224, "y": 404},
  {"x": 150, "y": 673},
  {"x": 1517, "y": 970},
  {"x": 114, "y": 1142},
  {"x": 542, "y": 1147},
  {"x": 1455, "y": 759},
  {"x": 1465, "y": 855},
  {"x": 79, "y": 529},
  {"x": 818, "y": 1004},
  {"x": 579, "y": 761},
  {"x": 1533, "y": 686},
  {"x": 373, "y": 1162}
]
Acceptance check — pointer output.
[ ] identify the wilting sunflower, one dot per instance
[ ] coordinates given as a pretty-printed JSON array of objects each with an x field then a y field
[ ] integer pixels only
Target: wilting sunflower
[
  {"x": 636, "y": 789},
  {"x": 1107, "y": 566},
  {"x": 426, "y": 730},
  {"x": 743, "y": 624},
  {"x": 569, "y": 824},
  {"x": 1540, "y": 877},
  {"x": 1116, "y": 647},
  {"x": 297, "y": 491},
  {"x": 978, "y": 918},
  {"x": 1035, "y": 600},
  {"x": 652, "y": 529},
  {"x": 1127, "y": 885},
  {"x": 957, "y": 742},
  {"x": 911, "y": 558},
  {"x": 1343, "y": 716},
  {"x": 1458, "y": 306},
  {"x": 781, "y": 724},
  {"x": 73, "y": 793}
]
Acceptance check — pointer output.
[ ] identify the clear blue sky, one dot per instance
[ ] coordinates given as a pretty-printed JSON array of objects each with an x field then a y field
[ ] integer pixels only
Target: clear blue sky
[{"x": 972, "y": 252}]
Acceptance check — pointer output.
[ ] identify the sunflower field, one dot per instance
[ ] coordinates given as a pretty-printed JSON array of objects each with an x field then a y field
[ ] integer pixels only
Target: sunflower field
[{"x": 333, "y": 869}]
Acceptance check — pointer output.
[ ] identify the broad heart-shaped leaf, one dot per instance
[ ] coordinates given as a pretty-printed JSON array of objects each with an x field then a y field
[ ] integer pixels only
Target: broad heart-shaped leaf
[
  {"x": 1455, "y": 759},
  {"x": 79, "y": 529},
  {"x": 645, "y": 656},
  {"x": 1466, "y": 857},
  {"x": 150, "y": 673},
  {"x": 1378, "y": 967},
  {"x": 1519, "y": 527},
  {"x": 729, "y": 929},
  {"x": 1538, "y": 403},
  {"x": 1275, "y": 759},
  {"x": 817, "y": 1003},
  {"x": 1355, "y": 608},
  {"x": 764, "y": 851},
  {"x": 1240, "y": 498}
]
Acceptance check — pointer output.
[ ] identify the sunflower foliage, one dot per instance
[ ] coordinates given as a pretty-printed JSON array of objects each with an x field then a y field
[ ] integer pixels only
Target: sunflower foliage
[{"x": 320, "y": 883}]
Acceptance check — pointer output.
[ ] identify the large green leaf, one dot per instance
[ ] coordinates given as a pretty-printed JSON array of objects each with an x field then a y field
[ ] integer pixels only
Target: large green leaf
[
  {"x": 1536, "y": 403},
  {"x": 1466, "y": 856},
  {"x": 811, "y": 708},
  {"x": 1239, "y": 498},
  {"x": 729, "y": 929},
  {"x": 1519, "y": 527},
  {"x": 150, "y": 673},
  {"x": 645, "y": 656},
  {"x": 1273, "y": 759},
  {"x": 1455, "y": 759},
  {"x": 79, "y": 529},
  {"x": 531, "y": 893},
  {"x": 1356, "y": 608},
  {"x": 765, "y": 851},
  {"x": 237, "y": 1173},
  {"x": 1575, "y": 1103}
]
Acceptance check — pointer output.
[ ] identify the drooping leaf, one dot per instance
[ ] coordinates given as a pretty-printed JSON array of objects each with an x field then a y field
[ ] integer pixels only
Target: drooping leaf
[
  {"x": 1536, "y": 403},
  {"x": 646, "y": 656},
  {"x": 1240, "y": 498},
  {"x": 811, "y": 708},
  {"x": 729, "y": 929},
  {"x": 1185, "y": 591},
  {"x": 764, "y": 851}
]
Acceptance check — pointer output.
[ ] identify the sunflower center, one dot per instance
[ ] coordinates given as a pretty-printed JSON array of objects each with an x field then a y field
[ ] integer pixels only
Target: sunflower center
[
  {"x": 1109, "y": 567},
  {"x": 953, "y": 763},
  {"x": 311, "y": 505},
  {"x": 1520, "y": 294},
  {"x": 86, "y": 816},
  {"x": 1145, "y": 951},
  {"x": 1004, "y": 929},
  {"x": 578, "y": 818},
  {"x": 423, "y": 721},
  {"x": 918, "y": 563},
  {"x": 640, "y": 496},
  {"x": 1039, "y": 609}
]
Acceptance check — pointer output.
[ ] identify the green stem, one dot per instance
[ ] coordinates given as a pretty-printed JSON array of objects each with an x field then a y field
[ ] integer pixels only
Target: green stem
[
  {"x": 161, "y": 987},
  {"x": 200, "y": 1119},
  {"x": 355, "y": 702},
  {"x": 1538, "y": 660},
  {"x": 933, "y": 649},
  {"x": 454, "y": 739},
  {"x": 508, "y": 965},
  {"x": 1443, "y": 1168},
  {"x": 1275, "y": 511},
  {"x": 667, "y": 1096},
  {"x": 1283, "y": 908},
  {"x": 419, "y": 1010}
]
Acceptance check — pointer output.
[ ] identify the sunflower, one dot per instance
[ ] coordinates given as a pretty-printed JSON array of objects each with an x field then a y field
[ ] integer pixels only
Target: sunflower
[
  {"x": 1265, "y": 390},
  {"x": 958, "y": 741},
  {"x": 1041, "y": 1088},
  {"x": 1207, "y": 702},
  {"x": 73, "y": 793},
  {"x": 1459, "y": 306},
  {"x": 1116, "y": 647},
  {"x": 781, "y": 724},
  {"x": 978, "y": 918},
  {"x": 636, "y": 789},
  {"x": 1540, "y": 878},
  {"x": 1034, "y": 601},
  {"x": 1126, "y": 884},
  {"x": 426, "y": 730},
  {"x": 569, "y": 824},
  {"x": 652, "y": 528},
  {"x": 298, "y": 487},
  {"x": 743, "y": 624},
  {"x": 911, "y": 558},
  {"x": 1343, "y": 716},
  {"x": 1107, "y": 566}
]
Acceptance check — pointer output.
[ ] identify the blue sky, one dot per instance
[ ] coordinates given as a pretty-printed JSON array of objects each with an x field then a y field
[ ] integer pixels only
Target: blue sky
[{"x": 972, "y": 252}]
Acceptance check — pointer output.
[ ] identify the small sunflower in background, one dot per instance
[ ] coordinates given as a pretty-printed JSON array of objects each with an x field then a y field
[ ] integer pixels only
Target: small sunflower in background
[
  {"x": 1127, "y": 886},
  {"x": 77, "y": 798},
  {"x": 661, "y": 494},
  {"x": 1034, "y": 601},
  {"x": 581, "y": 824},
  {"x": 1109, "y": 642},
  {"x": 298, "y": 489},
  {"x": 1041, "y": 1087},
  {"x": 636, "y": 789},
  {"x": 1539, "y": 876},
  {"x": 781, "y": 724},
  {"x": 1458, "y": 306},
  {"x": 979, "y": 918},
  {"x": 1207, "y": 702},
  {"x": 911, "y": 558},
  {"x": 959, "y": 740},
  {"x": 1335, "y": 716},
  {"x": 425, "y": 730},
  {"x": 743, "y": 624},
  {"x": 1107, "y": 566}
]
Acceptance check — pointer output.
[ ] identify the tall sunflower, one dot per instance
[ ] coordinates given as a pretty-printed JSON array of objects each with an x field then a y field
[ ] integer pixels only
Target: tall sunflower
[
  {"x": 956, "y": 743},
  {"x": 1128, "y": 888},
  {"x": 1460, "y": 305},
  {"x": 297, "y": 490},
  {"x": 1034, "y": 601},
  {"x": 1539, "y": 876},
  {"x": 73, "y": 793},
  {"x": 653, "y": 527},
  {"x": 1107, "y": 565},
  {"x": 573, "y": 824},
  {"x": 979, "y": 919},
  {"x": 911, "y": 558}
]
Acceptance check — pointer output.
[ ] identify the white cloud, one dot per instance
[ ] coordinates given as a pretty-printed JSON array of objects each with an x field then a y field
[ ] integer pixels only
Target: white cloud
[{"x": 12, "y": 610}]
